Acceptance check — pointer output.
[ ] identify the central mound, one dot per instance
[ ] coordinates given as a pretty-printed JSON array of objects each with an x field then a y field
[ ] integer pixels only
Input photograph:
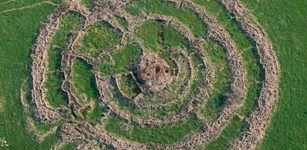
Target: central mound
[{"x": 152, "y": 72}]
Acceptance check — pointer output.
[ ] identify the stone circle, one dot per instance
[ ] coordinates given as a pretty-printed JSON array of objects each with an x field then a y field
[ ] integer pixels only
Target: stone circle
[{"x": 156, "y": 77}]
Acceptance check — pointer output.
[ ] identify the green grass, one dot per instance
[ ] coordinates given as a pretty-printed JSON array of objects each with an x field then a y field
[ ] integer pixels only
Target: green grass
[
  {"x": 157, "y": 36},
  {"x": 225, "y": 20},
  {"x": 70, "y": 146},
  {"x": 284, "y": 22},
  {"x": 282, "y": 19},
  {"x": 119, "y": 64},
  {"x": 22, "y": 3},
  {"x": 232, "y": 131},
  {"x": 54, "y": 94},
  {"x": 159, "y": 7},
  {"x": 148, "y": 32},
  {"x": 133, "y": 10},
  {"x": 88, "y": 4},
  {"x": 250, "y": 59},
  {"x": 122, "y": 21},
  {"x": 128, "y": 86},
  {"x": 221, "y": 83},
  {"x": 98, "y": 37},
  {"x": 83, "y": 81},
  {"x": 245, "y": 47},
  {"x": 287, "y": 129},
  {"x": 18, "y": 31},
  {"x": 160, "y": 135},
  {"x": 94, "y": 115}
]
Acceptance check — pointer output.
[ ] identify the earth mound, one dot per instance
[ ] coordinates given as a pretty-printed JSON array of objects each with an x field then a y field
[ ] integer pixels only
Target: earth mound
[{"x": 152, "y": 72}]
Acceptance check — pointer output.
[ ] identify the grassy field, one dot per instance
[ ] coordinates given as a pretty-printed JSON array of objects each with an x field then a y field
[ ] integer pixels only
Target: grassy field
[
  {"x": 284, "y": 21},
  {"x": 99, "y": 36},
  {"x": 18, "y": 31}
]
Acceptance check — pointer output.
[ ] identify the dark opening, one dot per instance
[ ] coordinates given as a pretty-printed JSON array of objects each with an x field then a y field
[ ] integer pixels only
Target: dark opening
[{"x": 158, "y": 69}]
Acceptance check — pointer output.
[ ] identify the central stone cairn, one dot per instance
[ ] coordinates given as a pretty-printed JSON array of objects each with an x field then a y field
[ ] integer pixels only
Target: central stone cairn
[{"x": 153, "y": 73}]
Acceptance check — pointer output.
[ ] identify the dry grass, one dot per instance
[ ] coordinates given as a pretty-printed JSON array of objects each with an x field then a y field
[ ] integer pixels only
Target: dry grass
[{"x": 2, "y": 101}]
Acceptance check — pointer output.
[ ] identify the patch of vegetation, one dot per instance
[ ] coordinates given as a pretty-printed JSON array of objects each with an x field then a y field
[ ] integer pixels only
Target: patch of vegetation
[
  {"x": 98, "y": 37},
  {"x": 245, "y": 47},
  {"x": 157, "y": 36},
  {"x": 54, "y": 94},
  {"x": 122, "y": 21},
  {"x": 133, "y": 10},
  {"x": 288, "y": 129},
  {"x": 116, "y": 63},
  {"x": 70, "y": 146},
  {"x": 232, "y": 131},
  {"x": 49, "y": 141},
  {"x": 8, "y": 5},
  {"x": 18, "y": 30},
  {"x": 148, "y": 32},
  {"x": 94, "y": 115},
  {"x": 159, "y": 135},
  {"x": 88, "y": 4},
  {"x": 162, "y": 8},
  {"x": 128, "y": 86},
  {"x": 217, "y": 98},
  {"x": 83, "y": 81}
]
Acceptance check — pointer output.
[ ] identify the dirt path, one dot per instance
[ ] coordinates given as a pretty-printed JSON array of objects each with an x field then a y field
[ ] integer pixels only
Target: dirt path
[{"x": 28, "y": 7}]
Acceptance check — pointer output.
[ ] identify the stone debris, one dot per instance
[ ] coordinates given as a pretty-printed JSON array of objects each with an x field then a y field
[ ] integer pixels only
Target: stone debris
[
  {"x": 92, "y": 145},
  {"x": 110, "y": 140},
  {"x": 68, "y": 133},
  {"x": 3, "y": 143}
]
